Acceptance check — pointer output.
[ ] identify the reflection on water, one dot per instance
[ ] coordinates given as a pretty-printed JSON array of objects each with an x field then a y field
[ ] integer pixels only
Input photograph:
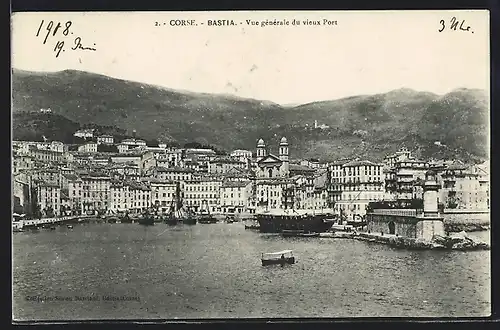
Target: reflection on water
[{"x": 214, "y": 270}]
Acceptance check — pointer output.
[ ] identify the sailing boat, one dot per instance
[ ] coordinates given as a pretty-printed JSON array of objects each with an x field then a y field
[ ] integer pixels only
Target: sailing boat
[
  {"x": 179, "y": 213},
  {"x": 206, "y": 217},
  {"x": 146, "y": 219}
]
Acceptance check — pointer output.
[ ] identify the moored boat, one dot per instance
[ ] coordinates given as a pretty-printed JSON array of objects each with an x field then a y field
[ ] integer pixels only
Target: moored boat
[
  {"x": 172, "y": 221},
  {"x": 178, "y": 212},
  {"x": 230, "y": 218},
  {"x": 205, "y": 220},
  {"x": 189, "y": 219},
  {"x": 146, "y": 219},
  {"x": 126, "y": 218},
  {"x": 294, "y": 220},
  {"x": 278, "y": 258},
  {"x": 206, "y": 217},
  {"x": 112, "y": 219},
  {"x": 252, "y": 226},
  {"x": 308, "y": 235}
]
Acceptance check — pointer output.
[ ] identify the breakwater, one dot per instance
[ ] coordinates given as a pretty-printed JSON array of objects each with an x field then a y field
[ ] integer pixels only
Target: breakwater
[
  {"x": 459, "y": 241},
  {"x": 455, "y": 242},
  {"x": 455, "y": 222},
  {"x": 47, "y": 221}
]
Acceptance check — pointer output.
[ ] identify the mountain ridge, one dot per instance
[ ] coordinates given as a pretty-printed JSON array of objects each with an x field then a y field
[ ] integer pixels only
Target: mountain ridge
[{"x": 365, "y": 125}]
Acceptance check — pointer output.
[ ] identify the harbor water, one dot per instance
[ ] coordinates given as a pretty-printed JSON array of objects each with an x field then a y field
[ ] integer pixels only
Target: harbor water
[{"x": 129, "y": 271}]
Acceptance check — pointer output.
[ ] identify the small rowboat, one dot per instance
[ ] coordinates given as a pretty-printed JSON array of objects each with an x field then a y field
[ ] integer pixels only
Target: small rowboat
[
  {"x": 308, "y": 235},
  {"x": 298, "y": 233},
  {"x": 278, "y": 258}
]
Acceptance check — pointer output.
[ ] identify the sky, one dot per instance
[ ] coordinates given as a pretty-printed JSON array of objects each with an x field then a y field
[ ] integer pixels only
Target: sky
[{"x": 363, "y": 53}]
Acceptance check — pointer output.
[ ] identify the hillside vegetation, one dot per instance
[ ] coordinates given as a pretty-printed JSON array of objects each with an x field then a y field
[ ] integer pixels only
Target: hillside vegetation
[{"x": 367, "y": 126}]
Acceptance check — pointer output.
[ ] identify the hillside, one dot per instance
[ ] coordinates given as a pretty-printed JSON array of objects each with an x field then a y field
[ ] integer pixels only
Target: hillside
[{"x": 368, "y": 125}]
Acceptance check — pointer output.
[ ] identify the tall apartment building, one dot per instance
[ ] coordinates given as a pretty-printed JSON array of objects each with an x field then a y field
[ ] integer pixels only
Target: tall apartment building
[
  {"x": 49, "y": 199},
  {"x": 203, "y": 193},
  {"x": 236, "y": 197},
  {"x": 463, "y": 188},
  {"x": 357, "y": 182}
]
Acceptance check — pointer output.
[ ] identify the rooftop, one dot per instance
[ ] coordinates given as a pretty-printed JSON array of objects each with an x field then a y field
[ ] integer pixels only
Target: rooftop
[
  {"x": 360, "y": 163},
  {"x": 235, "y": 184},
  {"x": 295, "y": 167},
  {"x": 71, "y": 177},
  {"x": 172, "y": 169}
]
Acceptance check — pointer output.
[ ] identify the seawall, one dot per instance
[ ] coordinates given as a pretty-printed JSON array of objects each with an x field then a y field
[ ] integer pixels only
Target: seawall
[
  {"x": 466, "y": 221},
  {"x": 462, "y": 243}
]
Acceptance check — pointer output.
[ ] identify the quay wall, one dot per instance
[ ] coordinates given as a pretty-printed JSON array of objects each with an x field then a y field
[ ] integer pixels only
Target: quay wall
[
  {"x": 43, "y": 221},
  {"x": 469, "y": 217},
  {"x": 427, "y": 228},
  {"x": 404, "y": 223},
  {"x": 392, "y": 223}
]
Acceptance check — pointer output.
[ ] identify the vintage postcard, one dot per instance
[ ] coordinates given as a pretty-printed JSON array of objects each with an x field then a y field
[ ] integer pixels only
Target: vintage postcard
[{"x": 250, "y": 164}]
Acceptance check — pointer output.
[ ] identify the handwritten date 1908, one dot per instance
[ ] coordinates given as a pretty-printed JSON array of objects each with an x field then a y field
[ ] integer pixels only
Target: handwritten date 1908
[{"x": 454, "y": 25}]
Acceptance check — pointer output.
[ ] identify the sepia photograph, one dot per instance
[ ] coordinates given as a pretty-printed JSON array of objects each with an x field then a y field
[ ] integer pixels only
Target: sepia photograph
[{"x": 250, "y": 165}]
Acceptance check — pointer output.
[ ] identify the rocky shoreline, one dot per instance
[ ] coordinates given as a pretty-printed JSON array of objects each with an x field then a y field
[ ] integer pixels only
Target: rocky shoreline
[
  {"x": 467, "y": 227},
  {"x": 458, "y": 241}
]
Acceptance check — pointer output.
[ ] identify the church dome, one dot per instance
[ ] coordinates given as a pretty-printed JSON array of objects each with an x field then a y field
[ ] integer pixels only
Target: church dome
[
  {"x": 260, "y": 143},
  {"x": 283, "y": 140}
]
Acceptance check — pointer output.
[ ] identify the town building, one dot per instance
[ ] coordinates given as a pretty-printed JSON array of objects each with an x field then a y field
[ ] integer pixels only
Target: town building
[
  {"x": 398, "y": 156},
  {"x": 129, "y": 196},
  {"x": 96, "y": 192},
  {"x": 404, "y": 176},
  {"x": 22, "y": 162},
  {"x": 192, "y": 165},
  {"x": 203, "y": 193},
  {"x": 163, "y": 194},
  {"x": 122, "y": 148},
  {"x": 75, "y": 193},
  {"x": 237, "y": 197},
  {"x": 336, "y": 180},
  {"x": 171, "y": 158},
  {"x": 463, "y": 188},
  {"x": 105, "y": 139},
  {"x": 133, "y": 143},
  {"x": 126, "y": 171},
  {"x": 242, "y": 155},
  {"x": 143, "y": 159},
  {"x": 22, "y": 197},
  {"x": 50, "y": 175},
  {"x": 222, "y": 165},
  {"x": 88, "y": 147},
  {"x": 170, "y": 174},
  {"x": 277, "y": 193},
  {"x": 311, "y": 163},
  {"x": 362, "y": 182},
  {"x": 272, "y": 177},
  {"x": 271, "y": 166},
  {"x": 85, "y": 133},
  {"x": 46, "y": 155},
  {"x": 48, "y": 199}
]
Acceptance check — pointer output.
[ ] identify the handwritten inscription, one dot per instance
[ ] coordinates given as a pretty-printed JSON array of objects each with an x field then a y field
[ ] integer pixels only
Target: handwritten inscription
[
  {"x": 63, "y": 31},
  {"x": 454, "y": 25}
]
